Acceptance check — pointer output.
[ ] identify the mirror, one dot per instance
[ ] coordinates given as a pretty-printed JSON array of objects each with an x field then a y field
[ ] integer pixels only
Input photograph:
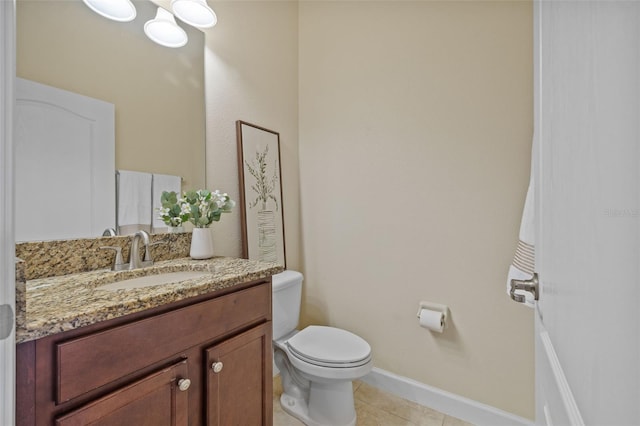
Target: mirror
[{"x": 158, "y": 92}]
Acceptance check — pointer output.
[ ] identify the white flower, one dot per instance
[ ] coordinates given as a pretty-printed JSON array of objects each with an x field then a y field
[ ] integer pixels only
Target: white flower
[{"x": 204, "y": 207}]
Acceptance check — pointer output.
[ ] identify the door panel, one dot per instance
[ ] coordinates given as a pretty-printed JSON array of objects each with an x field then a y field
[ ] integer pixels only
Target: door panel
[
  {"x": 239, "y": 390},
  {"x": 588, "y": 251},
  {"x": 7, "y": 243},
  {"x": 71, "y": 139},
  {"x": 155, "y": 400}
]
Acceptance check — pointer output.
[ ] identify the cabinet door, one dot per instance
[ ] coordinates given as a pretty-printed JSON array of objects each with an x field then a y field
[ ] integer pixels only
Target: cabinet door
[
  {"x": 239, "y": 380},
  {"x": 155, "y": 400}
]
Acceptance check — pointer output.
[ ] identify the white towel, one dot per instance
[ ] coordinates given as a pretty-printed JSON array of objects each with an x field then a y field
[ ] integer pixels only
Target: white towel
[
  {"x": 523, "y": 265},
  {"x": 134, "y": 202},
  {"x": 160, "y": 184}
]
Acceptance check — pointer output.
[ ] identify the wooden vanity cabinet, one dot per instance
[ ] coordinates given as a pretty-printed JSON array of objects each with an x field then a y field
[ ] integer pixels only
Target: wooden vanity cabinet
[{"x": 156, "y": 367}]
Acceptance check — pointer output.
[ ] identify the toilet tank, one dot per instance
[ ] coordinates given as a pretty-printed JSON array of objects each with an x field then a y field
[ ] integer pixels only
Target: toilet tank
[{"x": 286, "y": 296}]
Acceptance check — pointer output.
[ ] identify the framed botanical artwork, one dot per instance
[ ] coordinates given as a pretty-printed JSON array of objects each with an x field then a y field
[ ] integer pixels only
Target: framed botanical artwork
[{"x": 261, "y": 211}]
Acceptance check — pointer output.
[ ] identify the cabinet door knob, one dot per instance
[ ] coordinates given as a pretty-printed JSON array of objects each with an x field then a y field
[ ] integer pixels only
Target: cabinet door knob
[
  {"x": 183, "y": 384},
  {"x": 217, "y": 367}
]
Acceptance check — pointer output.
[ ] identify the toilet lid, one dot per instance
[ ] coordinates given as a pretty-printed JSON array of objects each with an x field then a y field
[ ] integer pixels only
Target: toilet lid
[{"x": 329, "y": 346}]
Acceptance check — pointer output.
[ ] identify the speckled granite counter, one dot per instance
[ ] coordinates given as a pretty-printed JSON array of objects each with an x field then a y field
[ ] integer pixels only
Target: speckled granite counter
[
  {"x": 56, "y": 304},
  {"x": 60, "y": 257}
]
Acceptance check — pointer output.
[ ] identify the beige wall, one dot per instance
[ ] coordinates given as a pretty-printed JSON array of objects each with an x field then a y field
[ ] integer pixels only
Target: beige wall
[
  {"x": 415, "y": 135},
  {"x": 414, "y": 126},
  {"x": 252, "y": 75},
  {"x": 158, "y": 92}
]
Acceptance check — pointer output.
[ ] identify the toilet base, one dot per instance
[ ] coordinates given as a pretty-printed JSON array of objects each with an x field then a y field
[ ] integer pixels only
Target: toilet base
[{"x": 330, "y": 404}]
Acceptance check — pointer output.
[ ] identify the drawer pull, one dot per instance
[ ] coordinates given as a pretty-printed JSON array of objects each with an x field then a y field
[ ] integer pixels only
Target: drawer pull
[
  {"x": 217, "y": 367},
  {"x": 183, "y": 384}
]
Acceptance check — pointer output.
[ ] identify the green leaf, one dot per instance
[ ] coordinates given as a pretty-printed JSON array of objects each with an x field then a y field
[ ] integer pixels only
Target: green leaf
[{"x": 169, "y": 199}]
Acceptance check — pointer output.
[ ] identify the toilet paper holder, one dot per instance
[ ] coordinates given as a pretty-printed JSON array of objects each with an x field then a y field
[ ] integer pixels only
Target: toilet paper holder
[{"x": 438, "y": 307}]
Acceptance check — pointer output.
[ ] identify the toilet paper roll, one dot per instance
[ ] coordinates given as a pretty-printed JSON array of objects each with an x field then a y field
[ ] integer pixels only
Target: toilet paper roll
[{"x": 433, "y": 320}]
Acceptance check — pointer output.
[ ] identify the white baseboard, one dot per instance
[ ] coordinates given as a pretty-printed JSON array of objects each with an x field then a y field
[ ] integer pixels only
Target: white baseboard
[{"x": 448, "y": 403}]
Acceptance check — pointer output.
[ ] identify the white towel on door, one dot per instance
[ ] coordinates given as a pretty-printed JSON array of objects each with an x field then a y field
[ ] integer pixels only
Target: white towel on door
[
  {"x": 160, "y": 184},
  {"x": 134, "y": 202},
  {"x": 523, "y": 265}
]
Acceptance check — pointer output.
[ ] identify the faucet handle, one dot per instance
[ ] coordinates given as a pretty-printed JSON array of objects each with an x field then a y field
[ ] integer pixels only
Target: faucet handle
[{"x": 118, "y": 263}]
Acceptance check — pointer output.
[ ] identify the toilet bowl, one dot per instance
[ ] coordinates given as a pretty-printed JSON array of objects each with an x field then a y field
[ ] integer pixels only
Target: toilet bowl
[{"x": 317, "y": 364}]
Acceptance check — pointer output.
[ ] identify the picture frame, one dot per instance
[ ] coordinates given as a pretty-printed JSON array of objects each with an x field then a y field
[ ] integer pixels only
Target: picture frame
[{"x": 261, "y": 206}]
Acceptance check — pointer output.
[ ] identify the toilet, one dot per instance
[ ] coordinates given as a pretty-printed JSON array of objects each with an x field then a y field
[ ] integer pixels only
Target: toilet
[{"x": 317, "y": 364}]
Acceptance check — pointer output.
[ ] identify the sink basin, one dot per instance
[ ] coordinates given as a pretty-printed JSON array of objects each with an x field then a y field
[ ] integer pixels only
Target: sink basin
[{"x": 158, "y": 279}]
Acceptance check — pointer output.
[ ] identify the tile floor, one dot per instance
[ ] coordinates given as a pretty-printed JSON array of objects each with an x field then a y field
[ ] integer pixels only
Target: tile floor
[{"x": 375, "y": 408}]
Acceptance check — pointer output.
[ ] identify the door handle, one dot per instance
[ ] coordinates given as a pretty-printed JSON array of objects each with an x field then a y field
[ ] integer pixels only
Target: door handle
[
  {"x": 6, "y": 321},
  {"x": 527, "y": 285}
]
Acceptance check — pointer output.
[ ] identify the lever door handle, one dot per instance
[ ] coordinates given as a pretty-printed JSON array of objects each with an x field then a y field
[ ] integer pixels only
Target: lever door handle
[{"x": 527, "y": 285}]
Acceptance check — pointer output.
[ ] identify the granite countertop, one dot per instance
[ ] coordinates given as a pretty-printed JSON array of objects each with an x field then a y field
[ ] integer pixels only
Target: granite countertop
[{"x": 56, "y": 304}]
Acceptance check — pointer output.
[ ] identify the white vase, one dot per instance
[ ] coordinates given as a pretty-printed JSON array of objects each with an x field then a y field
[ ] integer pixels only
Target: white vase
[{"x": 201, "y": 244}]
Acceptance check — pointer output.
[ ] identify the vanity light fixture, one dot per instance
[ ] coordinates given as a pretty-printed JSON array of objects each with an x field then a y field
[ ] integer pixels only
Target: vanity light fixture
[
  {"x": 196, "y": 13},
  {"x": 164, "y": 30},
  {"x": 118, "y": 10}
]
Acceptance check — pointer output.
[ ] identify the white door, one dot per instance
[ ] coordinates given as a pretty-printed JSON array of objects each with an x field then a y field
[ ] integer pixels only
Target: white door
[
  {"x": 7, "y": 247},
  {"x": 64, "y": 147},
  {"x": 587, "y": 241}
]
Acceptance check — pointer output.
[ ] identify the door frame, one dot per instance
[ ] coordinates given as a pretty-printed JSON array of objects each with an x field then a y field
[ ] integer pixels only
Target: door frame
[{"x": 7, "y": 239}]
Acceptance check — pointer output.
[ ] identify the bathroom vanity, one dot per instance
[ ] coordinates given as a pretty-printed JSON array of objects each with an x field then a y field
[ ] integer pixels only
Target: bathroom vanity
[{"x": 197, "y": 352}]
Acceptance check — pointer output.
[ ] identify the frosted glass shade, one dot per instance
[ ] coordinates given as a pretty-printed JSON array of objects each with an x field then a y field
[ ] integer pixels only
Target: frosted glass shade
[
  {"x": 118, "y": 10},
  {"x": 164, "y": 30},
  {"x": 196, "y": 13}
]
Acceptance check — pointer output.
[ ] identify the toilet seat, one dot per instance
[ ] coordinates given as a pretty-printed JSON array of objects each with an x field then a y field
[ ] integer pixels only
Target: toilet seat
[{"x": 329, "y": 347}]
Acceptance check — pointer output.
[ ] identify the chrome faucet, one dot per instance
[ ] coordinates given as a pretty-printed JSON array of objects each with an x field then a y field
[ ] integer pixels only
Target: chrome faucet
[
  {"x": 109, "y": 232},
  {"x": 134, "y": 253}
]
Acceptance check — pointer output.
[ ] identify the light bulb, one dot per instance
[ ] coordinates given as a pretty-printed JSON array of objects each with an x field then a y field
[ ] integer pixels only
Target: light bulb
[
  {"x": 194, "y": 12},
  {"x": 118, "y": 10},
  {"x": 164, "y": 30}
]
